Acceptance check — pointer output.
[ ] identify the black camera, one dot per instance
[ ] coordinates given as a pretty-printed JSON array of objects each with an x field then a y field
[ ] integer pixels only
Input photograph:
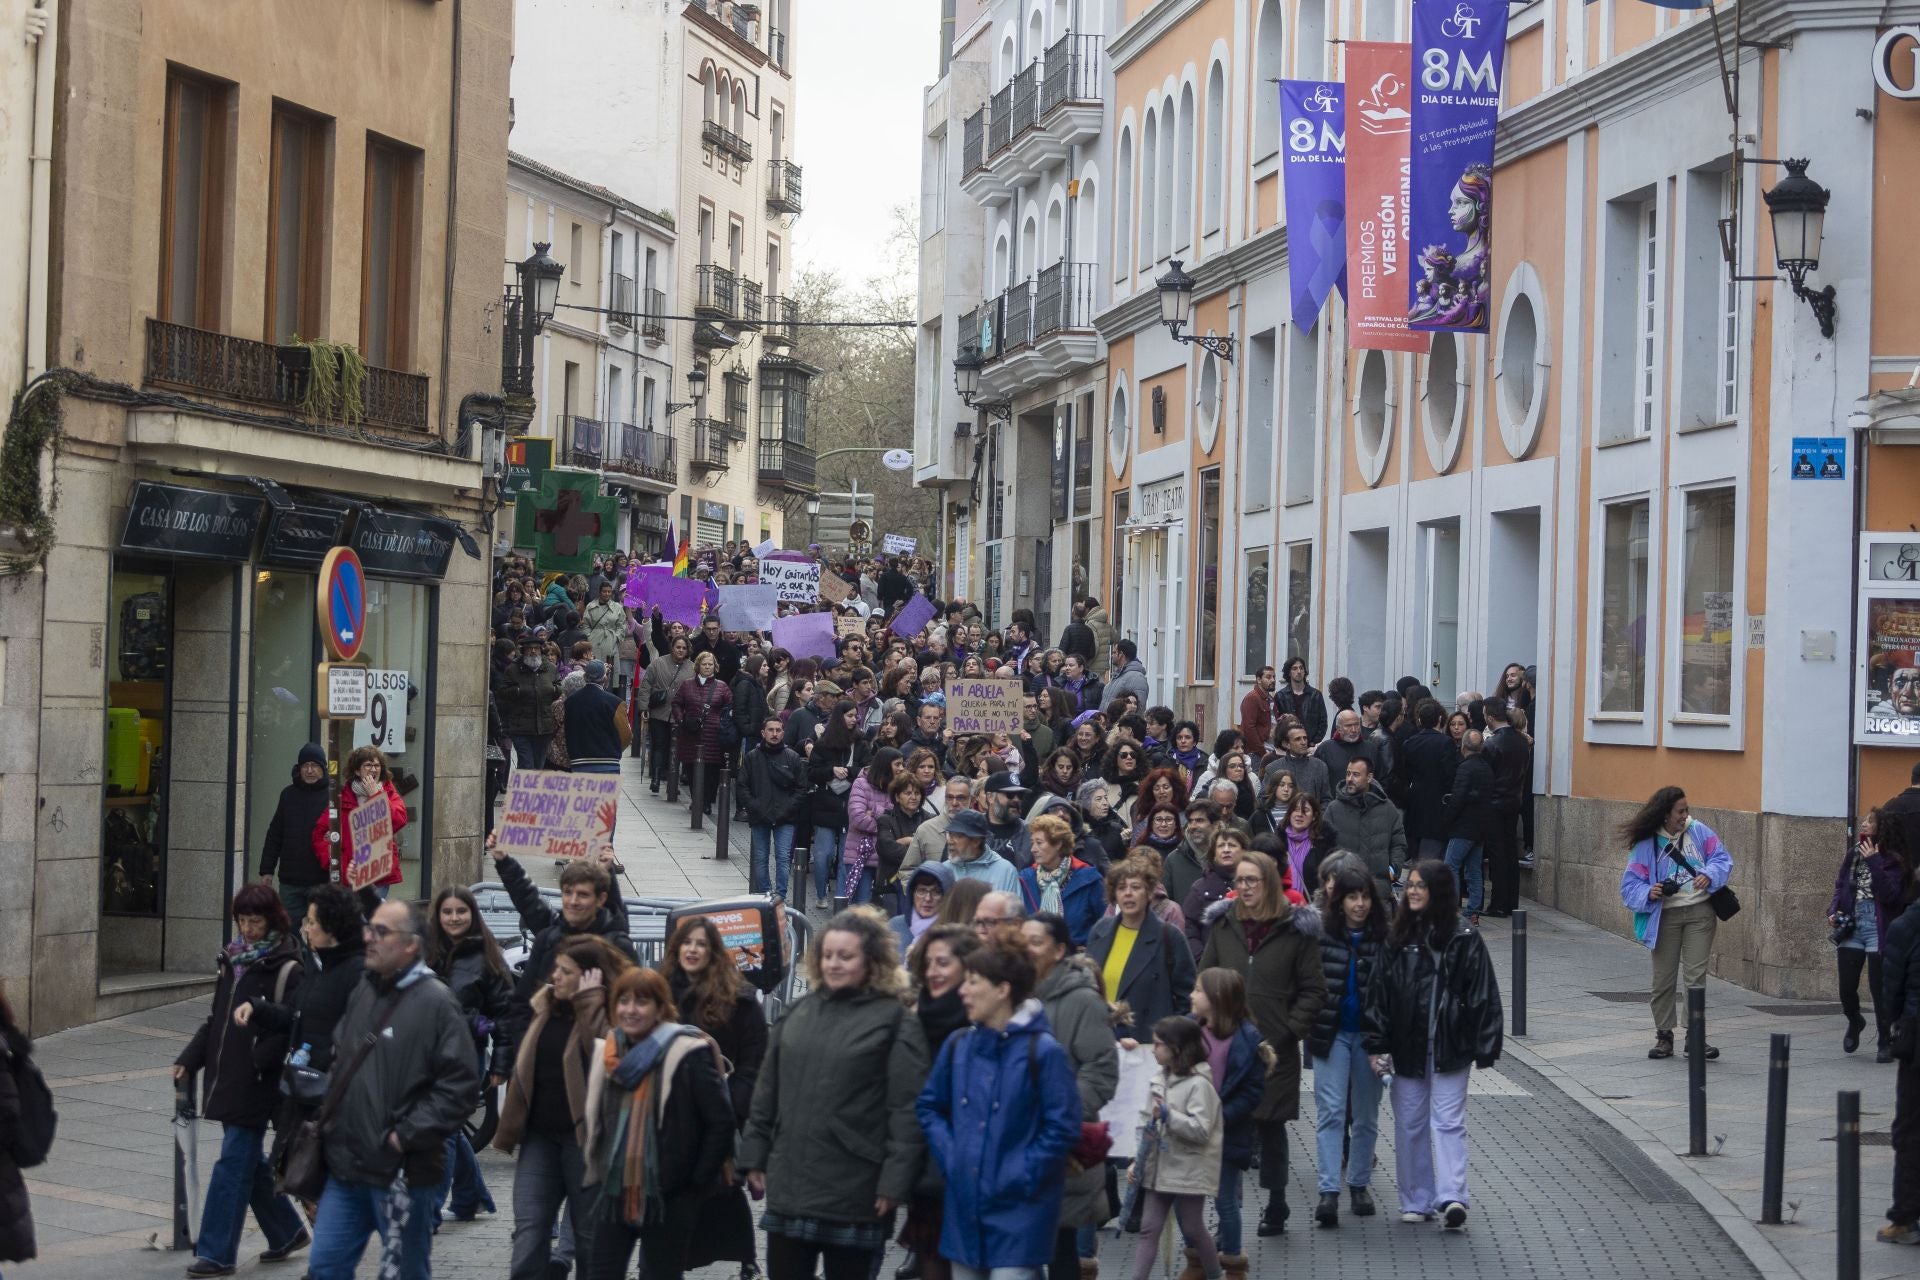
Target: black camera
[
  {"x": 1671, "y": 886},
  {"x": 1843, "y": 927}
]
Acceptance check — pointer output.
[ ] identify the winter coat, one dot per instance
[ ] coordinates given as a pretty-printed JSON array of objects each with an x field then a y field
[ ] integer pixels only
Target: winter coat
[
  {"x": 516, "y": 1103},
  {"x": 1188, "y": 1140},
  {"x": 605, "y": 624},
  {"x": 893, "y": 833},
  {"x": 1083, "y": 898},
  {"x": 661, "y": 680},
  {"x": 418, "y": 1084},
  {"x": 833, "y": 1124},
  {"x": 1001, "y": 1110},
  {"x": 1511, "y": 756},
  {"x": 700, "y": 705},
  {"x": 999, "y": 874},
  {"x": 550, "y": 932},
  {"x": 929, "y": 843},
  {"x": 940, "y": 873},
  {"x": 1466, "y": 813},
  {"x": 16, "y": 1212},
  {"x": 1429, "y": 760},
  {"x": 328, "y": 979},
  {"x": 1284, "y": 994},
  {"x": 1078, "y": 638},
  {"x": 1082, "y": 1024},
  {"x": 1102, "y": 627},
  {"x": 1111, "y": 832},
  {"x": 1309, "y": 707},
  {"x": 1646, "y": 867},
  {"x": 1309, "y": 774},
  {"x": 1249, "y": 1059},
  {"x": 1458, "y": 996},
  {"x": 289, "y": 853},
  {"x": 485, "y": 996},
  {"x": 694, "y": 1136},
  {"x": 349, "y": 801},
  {"x": 240, "y": 1066},
  {"x": 525, "y": 699},
  {"x": 1336, "y": 950},
  {"x": 1208, "y": 889},
  {"x": 1370, "y": 826},
  {"x": 1130, "y": 679},
  {"x": 830, "y": 806},
  {"x": 725, "y": 652},
  {"x": 1337, "y": 754},
  {"x": 1182, "y": 868},
  {"x": 865, "y": 804},
  {"x": 742, "y": 1039},
  {"x": 749, "y": 707},
  {"x": 1886, "y": 889},
  {"x": 1158, "y": 979},
  {"x": 1900, "y": 956},
  {"x": 773, "y": 785},
  {"x": 1256, "y": 721}
]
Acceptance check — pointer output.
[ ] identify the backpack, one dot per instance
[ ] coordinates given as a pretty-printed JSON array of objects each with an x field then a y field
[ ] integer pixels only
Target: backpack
[{"x": 31, "y": 1142}]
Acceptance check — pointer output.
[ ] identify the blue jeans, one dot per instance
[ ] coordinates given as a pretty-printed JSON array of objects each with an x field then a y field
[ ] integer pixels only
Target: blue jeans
[
  {"x": 352, "y": 1211},
  {"x": 241, "y": 1180},
  {"x": 858, "y": 883},
  {"x": 596, "y": 768},
  {"x": 826, "y": 861},
  {"x": 1343, "y": 1085},
  {"x": 1227, "y": 1205},
  {"x": 463, "y": 1190},
  {"x": 779, "y": 842},
  {"x": 530, "y": 749},
  {"x": 1467, "y": 859}
]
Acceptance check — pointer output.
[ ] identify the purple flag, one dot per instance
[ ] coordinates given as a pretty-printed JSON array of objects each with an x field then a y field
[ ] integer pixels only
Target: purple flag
[
  {"x": 1313, "y": 117},
  {"x": 1458, "y": 50},
  {"x": 805, "y": 635},
  {"x": 679, "y": 600},
  {"x": 914, "y": 614}
]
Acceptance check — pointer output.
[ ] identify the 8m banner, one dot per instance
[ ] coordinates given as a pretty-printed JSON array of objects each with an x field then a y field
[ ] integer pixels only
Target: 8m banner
[
  {"x": 1459, "y": 47},
  {"x": 1313, "y": 118},
  {"x": 1378, "y": 260}
]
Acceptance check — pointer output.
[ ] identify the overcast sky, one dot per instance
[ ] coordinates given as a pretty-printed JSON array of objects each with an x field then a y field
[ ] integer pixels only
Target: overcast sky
[{"x": 863, "y": 68}]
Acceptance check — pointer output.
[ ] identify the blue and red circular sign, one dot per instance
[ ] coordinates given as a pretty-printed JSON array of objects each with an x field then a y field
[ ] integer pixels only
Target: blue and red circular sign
[{"x": 342, "y": 604}]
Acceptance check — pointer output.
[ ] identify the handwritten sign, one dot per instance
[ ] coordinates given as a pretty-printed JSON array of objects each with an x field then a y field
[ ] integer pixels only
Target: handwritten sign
[
  {"x": 899, "y": 544},
  {"x": 374, "y": 858},
  {"x": 559, "y": 815},
  {"x": 834, "y": 588},
  {"x": 797, "y": 581},
  {"x": 989, "y": 705},
  {"x": 849, "y": 624}
]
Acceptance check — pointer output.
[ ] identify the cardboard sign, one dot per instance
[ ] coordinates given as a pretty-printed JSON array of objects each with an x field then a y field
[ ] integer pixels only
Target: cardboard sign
[
  {"x": 805, "y": 635},
  {"x": 551, "y": 814},
  {"x": 748, "y": 608},
  {"x": 983, "y": 705},
  {"x": 798, "y": 583},
  {"x": 834, "y": 588},
  {"x": 370, "y": 826},
  {"x": 849, "y": 624},
  {"x": 899, "y": 544}
]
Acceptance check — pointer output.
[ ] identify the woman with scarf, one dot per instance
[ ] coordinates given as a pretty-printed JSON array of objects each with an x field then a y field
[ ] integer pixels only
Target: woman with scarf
[
  {"x": 659, "y": 1131},
  {"x": 1306, "y": 839},
  {"x": 369, "y": 776},
  {"x": 1270, "y": 815},
  {"x": 241, "y": 1088},
  {"x": 1184, "y": 753},
  {"x": 1060, "y": 883},
  {"x": 1088, "y": 743},
  {"x": 922, "y": 898},
  {"x": 1095, "y": 803},
  {"x": 937, "y": 964},
  {"x": 893, "y": 832},
  {"x": 699, "y": 706},
  {"x": 1159, "y": 830},
  {"x": 1059, "y": 775}
]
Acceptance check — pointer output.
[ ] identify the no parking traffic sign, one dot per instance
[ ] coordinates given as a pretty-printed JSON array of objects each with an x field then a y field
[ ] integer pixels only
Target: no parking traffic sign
[{"x": 343, "y": 604}]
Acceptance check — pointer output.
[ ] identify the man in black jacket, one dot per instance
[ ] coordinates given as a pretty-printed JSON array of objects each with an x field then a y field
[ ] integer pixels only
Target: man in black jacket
[
  {"x": 725, "y": 652},
  {"x": 289, "y": 848},
  {"x": 1077, "y": 639},
  {"x": 1511, "y": 757},
  {"x": 587, "y": 905},
  {"x": 1901, "y": 989},
  {"x": 773, "y": 786},
  {"x": 407, "y": 1077},
  {"x": 1428, "y": 760},
  {"x": 1464, "y": 820},
  {"x": 896, "y": 588}
]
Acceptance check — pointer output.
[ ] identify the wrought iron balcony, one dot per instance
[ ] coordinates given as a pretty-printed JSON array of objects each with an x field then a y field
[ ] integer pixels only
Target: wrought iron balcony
[
  {"x": 1063, "y": 298},
  {"x": 637, "y": 451},
  {"x": 1026, "y": 99},
  {"x": 1072, "y": 73},
  {"x": 721, "y": 138},
  {"x": 621, "y": 301},
  {"x": 223, "y": 367},
  {"x": 653, "y": 324},
  {"x": 739, "y": 393},
  {"x": 750, "y": 304},
  {"x": 787, "y": 464},
  {"x": 783, "y": 187},
  {"x": 999, "y": 115},
  {"x": 718, "y": 293},
  {"x": 583, "y": 441},
  {"x": 712, "y": 447},
  {"x": 973, "y": 142},
  {"x": 782, "y": 317},
  {"x": 1016, "y": 315}
]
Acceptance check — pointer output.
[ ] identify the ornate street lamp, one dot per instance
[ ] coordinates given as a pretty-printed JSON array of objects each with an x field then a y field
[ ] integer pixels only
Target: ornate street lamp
[
  {"x": 1176, "y": 307},
  {"x": 1798, "y": 207},
  {"x": 540, "y": 279},
  {"x": 966, "y": 380}
]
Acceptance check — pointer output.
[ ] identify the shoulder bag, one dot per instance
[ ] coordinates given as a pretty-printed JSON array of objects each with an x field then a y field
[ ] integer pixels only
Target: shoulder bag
[
  {"x": 1724, "y": 901},
  {"x": 303, "y": 1173}
]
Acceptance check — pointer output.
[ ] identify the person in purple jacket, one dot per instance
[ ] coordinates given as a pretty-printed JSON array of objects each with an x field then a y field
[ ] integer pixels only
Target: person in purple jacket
[
  {"x": 1674, "y": 864},
  {"x": 1872, "y": 887}
]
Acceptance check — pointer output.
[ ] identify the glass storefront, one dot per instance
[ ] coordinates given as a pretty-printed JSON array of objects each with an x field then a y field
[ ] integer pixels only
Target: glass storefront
[{"x": 140, "y": 643}]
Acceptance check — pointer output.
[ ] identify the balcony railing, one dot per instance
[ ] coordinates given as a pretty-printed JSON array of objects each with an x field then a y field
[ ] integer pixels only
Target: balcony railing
[
  {"x": 777, "y": 47},
  {"x": 653, "y": 324},
  {"x": 1072, "y": 74},
  {"x": 781, "y": 321},
  {"x": 227, "y": 368},
  {"x": 783, "y": 189},
  {"x": 721, "y": 138},
  {"x": 750, "y": 303},
  {"x": 786, "y": 463},
  {"x": 640, "y": 452},
  {"x": 583, "y": 441},
  {"x": 719, "y": 291},
  {"x": 739, "y": 392},
  {"x": 1016, "y": 315},
  {"x": 973, "y": 142},
  {"x": 1026, "y": 99},
  {"x": 622, "y": 301},
  {"x": 651, "y": 521},
  {"x": 999, "y": 112},
  {"x": 712, "y": 447},
  {"x": 1063, "y": 298}
]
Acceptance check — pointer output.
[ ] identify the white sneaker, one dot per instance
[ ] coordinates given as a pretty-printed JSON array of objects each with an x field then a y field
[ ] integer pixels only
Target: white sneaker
[
  {"x": 1455, "y": 1216},
  {"x": 1414, "y": 1215}
]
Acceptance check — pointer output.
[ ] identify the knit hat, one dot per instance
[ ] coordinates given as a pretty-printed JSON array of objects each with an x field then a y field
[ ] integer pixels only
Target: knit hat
[{"x": 312, "y": 754}]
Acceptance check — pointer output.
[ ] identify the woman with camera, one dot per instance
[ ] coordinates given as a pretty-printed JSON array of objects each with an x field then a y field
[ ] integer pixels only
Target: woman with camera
[
  {"x": 1675, "y": 864},
  {"x": 1869, "y": 893}
]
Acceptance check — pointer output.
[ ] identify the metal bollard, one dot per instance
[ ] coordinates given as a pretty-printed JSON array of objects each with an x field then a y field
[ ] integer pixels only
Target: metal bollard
[
  {"x": 723, "y": 816},
  {"x": 1846, "y": 1153},
  {"x": 698, "y": 803},
  {"x": 186, "y": 1162},
  {"x": 1774, "y": 1168},
  {"x": 1696, "y": 1071},
  {"x": 1519, "y": 973},
  {"x": 671, "y": 768}
]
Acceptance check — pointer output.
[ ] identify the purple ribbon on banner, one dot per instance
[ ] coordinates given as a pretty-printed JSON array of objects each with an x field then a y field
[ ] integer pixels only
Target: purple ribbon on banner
[
  {"x": 1313, "y": 117},
  {"x": 1459, "y": 47}
]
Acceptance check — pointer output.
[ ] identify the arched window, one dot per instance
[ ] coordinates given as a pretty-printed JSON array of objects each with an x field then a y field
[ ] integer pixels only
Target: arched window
[
  {"x": 1149, "y": 179},
  {"x": 1213, "y": 197},
  {"x": 1060, "y": 20},
  {"x": 739, "y": 109},
  {"x": 1009, "y": 59},
  {"x": 1310, "y": 41},
  {"x": 1056, "y": 241},
  {"x": 1002, "y": 268},
  {"x": 1183, "y": 180},
  {"x": 1086, "y": 226},
  {"x": 1029, "y": 247},
  {"x": 1122, "y": 208},
  {"x": 1165, "y": 183},
  {"x": 1268, "y": 67},
  {"x": 707, "y": 92},
  {"x": 1036, "y": 33}
]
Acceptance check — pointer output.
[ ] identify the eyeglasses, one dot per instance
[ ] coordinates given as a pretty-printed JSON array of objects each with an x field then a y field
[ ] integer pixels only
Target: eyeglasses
[
  {"x": 1249, "y": 882},
  {"x": 382, "y": 932}
]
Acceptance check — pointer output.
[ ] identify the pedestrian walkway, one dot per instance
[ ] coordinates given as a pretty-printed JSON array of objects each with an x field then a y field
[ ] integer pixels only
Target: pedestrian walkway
[{"x": 1573, "y": 1136}]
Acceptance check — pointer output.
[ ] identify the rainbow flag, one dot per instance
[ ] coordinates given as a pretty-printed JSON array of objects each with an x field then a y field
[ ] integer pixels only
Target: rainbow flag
[{"x": 681, "y": 553}]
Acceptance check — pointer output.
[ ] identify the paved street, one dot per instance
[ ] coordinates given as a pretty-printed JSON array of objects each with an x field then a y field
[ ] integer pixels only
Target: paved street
[{"x": 1574, "y": 1137}]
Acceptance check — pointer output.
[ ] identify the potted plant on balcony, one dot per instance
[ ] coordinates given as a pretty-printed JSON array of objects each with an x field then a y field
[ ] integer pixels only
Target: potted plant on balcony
[{"x": 324, "y": 380}]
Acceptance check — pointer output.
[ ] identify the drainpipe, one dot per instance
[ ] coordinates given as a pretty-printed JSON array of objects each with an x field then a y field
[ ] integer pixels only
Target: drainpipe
[
  {"x": 40, "y": 162},
  {"x": 451, "y": 239}
]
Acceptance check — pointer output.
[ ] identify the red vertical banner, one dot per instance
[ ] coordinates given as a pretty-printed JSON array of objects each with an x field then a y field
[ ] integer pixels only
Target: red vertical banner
[{"x": 1379, "y": 183}]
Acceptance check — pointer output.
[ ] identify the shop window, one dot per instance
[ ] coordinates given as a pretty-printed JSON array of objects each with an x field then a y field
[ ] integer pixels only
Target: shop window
[
  {"x": 280, "y": 704},
  {"x": 1206, "y": 655},
  {"x": 1623, "y": 608},
  {"x": 1300, "y": 602},
  {"x": 1255, "y": 655},
  {"x": 1706, "y": 606},
  {"x": 134, "y": 835}
]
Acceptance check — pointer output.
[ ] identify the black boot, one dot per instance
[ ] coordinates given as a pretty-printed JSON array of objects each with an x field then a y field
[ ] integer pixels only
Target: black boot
[
  {"x": 1273, "y": 1220},
  {"x": 1327, "y": 1212},
  {"x": 1362, "y": 1202}
]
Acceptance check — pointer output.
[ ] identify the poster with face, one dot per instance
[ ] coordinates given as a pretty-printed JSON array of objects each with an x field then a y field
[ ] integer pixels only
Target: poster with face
[{"x": 1890, "y": 650}]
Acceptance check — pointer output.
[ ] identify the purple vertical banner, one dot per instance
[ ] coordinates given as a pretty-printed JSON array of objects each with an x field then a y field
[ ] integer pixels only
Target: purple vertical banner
[
  {"x": 1313, "y": 122},
  {"x": 1459, "y": 47}
]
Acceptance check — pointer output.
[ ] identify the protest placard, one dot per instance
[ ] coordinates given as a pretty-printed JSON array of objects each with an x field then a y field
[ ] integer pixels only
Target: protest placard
[
  {"x": 551, "y": 814},
  {"x": 679, "y": 599},
  {"x": 798, "y": 581},
  {"x": 914, "y": 614},
  {"x": 899, "y": 544},
  {"x": 642, "y": 584},
  {"x": 849, "y": 624},
  {"x": 370, "y": 825},
  {"x": 834, "y": 588},
  {"x": 805, "y": 635},
  {"x": 983, "y": 705},
  {"x": 748, "y": 608}
]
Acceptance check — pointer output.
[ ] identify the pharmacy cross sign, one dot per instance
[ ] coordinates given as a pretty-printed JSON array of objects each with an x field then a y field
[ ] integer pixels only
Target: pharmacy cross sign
[{"x": 572, "y": 521}]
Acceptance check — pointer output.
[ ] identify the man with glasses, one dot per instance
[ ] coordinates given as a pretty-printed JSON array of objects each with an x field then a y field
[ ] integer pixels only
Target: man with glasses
[
  {"x": 929, "y": 843},
  {"x": 998, "y": 915},
  {"x": 407, "y": 1078}
]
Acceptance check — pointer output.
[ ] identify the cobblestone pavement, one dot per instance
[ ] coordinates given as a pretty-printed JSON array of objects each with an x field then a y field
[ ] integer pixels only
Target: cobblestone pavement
[{"x": 1558, "y": 1189}]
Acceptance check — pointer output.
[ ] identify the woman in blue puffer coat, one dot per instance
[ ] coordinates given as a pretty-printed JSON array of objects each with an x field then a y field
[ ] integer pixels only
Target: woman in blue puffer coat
[{"x": 1001, "y": 1112}]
